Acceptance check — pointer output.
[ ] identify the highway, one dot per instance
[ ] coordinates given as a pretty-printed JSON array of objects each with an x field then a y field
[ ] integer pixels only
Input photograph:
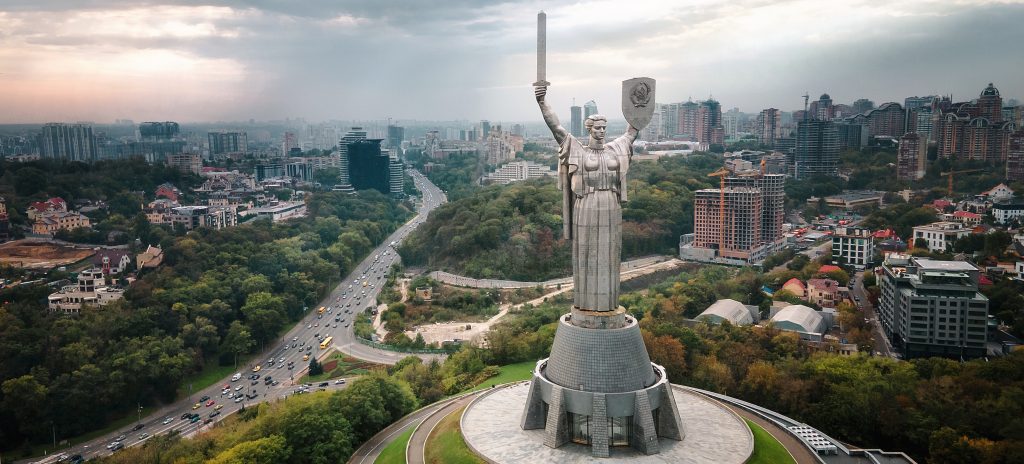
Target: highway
[{"x": 282, "y": 360}]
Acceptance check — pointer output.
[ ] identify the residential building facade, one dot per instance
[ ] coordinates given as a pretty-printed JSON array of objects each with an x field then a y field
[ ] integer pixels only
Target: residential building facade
[
  {"x": 939, "y": 236},
  {"x": 933, "y": 308},
  {"x": 853, "y": 246}
]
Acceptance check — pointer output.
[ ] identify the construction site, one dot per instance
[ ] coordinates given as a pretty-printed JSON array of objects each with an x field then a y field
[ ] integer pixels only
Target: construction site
[
  {"x": 40, "y": 255},
  {"x": 740, "y": 222}
]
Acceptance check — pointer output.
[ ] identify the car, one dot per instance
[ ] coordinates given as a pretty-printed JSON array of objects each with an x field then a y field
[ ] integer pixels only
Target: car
[
  {"x": 117, "y": 446},
  {"x": 339, "y": 382},
  {"x": 111, "y": 445},
  {"x": 255, "y": 376},
  {"x": 218, "y": 407},
  {"x": 187, "y": 415},
  {"x": 168, "y": 420},
  {"x": 204, "y": 398},
  {"x": 309, "y": 348},
  {"x": 310, "y": 326},
  {"x": 76, "y": 459},
  {"x": 275, "y": 383},
  {"x": 143, "y": 436},
  {"x": 346, "y": 325},
  {"x": 319, "y": 316},
  {"x": 238, "y": 399},
  {"x": 236, "y": 377},
  {"x": 225, "y": 391},
  {"x": 121, "y": 438},
  {"x": 302, "y": 343},
  {"x": 207, "y": 421},
  {"x": 194, "y": 419},
  {"x": 335, "y": 326},
  {"x": 138, "y": 426},
  {"x": 255, "y": 382},
  {"x": 294, "y": 344},
  {"x": 226, "y": 386},
  {"x": 196, "y": 406},
  {"x": 316, "y": 325},
  {"x": 280, "y": 360},
  {"x": 257, "y": 368},
  {"x": 231, "y": 395},
  {"x": 239, "y": 388},
  {"x": 316, "y": 335},
  {"x": 305, "y": 357},
  {"x": 215, "y": 414},
  {"x": 295, "y": 339},
  {"x": 285, "y": 347},
  {"x": 210, "y": 403}
]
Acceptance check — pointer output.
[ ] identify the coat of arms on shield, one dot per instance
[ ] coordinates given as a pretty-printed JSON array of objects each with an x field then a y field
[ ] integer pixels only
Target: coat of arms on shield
[{"x": 638, "y": 101}]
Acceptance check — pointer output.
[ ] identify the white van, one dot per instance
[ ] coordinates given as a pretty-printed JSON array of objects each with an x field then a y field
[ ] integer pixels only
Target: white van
[{"x": 236, "y": 377}]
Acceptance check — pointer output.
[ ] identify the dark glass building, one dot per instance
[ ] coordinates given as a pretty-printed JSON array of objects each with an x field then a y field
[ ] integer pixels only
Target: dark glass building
[{"x": 368, "y": 167}]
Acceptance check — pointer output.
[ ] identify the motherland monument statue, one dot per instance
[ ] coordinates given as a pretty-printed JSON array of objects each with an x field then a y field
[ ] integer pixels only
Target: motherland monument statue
[{"x": 599, "y": 386}]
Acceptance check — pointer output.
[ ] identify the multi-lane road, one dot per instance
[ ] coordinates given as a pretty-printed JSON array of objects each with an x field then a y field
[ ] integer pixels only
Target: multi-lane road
[{"x": 284, "y": 360}]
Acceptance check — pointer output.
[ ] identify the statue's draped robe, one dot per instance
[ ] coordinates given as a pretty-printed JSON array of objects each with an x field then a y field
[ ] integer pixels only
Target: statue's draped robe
[{"x": 593, "y": 184}]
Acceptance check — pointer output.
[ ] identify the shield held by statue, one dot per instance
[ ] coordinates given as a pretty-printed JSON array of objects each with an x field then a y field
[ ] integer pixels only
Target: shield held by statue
[{"x": 638, "y": 101}]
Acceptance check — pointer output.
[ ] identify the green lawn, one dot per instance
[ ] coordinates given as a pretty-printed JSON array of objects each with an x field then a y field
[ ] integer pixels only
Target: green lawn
[
  {"x": 347, "y": 366},
  {"x": 446, "y": 446},
  {"x": 394, "y": 453},
  {"x": 508, "y": 373},
  {"x": 767, "y": 450}
]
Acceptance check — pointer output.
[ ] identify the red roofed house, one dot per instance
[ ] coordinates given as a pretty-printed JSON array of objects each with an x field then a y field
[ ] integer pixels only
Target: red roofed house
[
  {"x": 823, "y": 292},
  {"x": 998, "y": 193},
  {"x": 884, "y": 234},
  {"x": 111, "y": 261},
  {"x": 941, "y": 205},
  {"x": 53, "y": 205},
  {"x": 795, "y": 286},
  {"x": 168, "y": 191},
  {"x": 964, "y": 217},
  {"x": 828, "y": 268}
]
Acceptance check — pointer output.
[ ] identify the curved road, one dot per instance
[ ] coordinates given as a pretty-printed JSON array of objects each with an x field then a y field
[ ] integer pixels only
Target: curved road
[{"x": 283, "y": 360}]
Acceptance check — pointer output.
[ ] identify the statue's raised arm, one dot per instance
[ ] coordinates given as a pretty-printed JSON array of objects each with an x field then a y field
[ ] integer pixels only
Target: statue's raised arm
[{"x": 550, "y": 117}]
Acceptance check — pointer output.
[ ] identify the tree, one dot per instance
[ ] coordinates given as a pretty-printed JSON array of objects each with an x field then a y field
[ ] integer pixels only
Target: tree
[
  {"x": 315, "y": 368},
  {"x": 267, "y": 450},
  {"x": 26, "y": 398},
  {"x": 238, "y": 340},
  {"x": 264, "y": 314}
]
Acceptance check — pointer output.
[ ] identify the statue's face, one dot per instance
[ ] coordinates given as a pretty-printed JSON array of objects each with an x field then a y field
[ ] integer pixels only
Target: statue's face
[{"x": 598, "y": 129}]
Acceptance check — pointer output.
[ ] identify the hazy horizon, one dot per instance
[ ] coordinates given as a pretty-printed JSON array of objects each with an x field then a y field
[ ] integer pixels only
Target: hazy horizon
[{"x": 469, "y": 60}]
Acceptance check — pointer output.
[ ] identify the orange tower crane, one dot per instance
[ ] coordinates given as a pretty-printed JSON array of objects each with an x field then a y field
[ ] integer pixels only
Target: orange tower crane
[
  {"x": 950, "y": 174},
  {"x": 720, "y": 174}
]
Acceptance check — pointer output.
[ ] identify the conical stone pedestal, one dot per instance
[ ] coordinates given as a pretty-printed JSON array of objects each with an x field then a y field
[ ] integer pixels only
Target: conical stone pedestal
[{"x": 600, "y": 388}]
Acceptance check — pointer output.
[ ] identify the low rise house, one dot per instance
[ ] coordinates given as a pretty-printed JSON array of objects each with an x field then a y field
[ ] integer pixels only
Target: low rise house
[
  {"x": 823, "y": 292},
  {"x": 91, "y": 289},
  {"x": 939, "y": 236},
  {"x": 53, "y": 205},
  {"x": 795, "y": 286},
  {"x": 52, "y": 222},
  {"x": 112, "y": 261},
  {"x": 150, "y": 258}
]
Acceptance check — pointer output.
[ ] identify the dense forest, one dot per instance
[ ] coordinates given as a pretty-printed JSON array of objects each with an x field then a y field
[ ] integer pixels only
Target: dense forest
[
  {"x": 515, "y": 231},
  {"x": 219, "y": 295}
]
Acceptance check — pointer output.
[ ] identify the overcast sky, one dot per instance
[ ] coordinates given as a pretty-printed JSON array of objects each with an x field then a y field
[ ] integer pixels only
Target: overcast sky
[{"x": 97, "y": 60}]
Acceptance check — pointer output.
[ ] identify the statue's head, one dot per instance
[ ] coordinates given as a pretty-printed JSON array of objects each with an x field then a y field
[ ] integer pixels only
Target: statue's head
[{"x": 596, "y": 125}]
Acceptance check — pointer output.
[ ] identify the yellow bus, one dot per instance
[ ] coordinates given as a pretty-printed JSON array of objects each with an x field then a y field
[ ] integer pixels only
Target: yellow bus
[
  {"x": 327, "y": 342},
  {"x": 321, "y": 310}
]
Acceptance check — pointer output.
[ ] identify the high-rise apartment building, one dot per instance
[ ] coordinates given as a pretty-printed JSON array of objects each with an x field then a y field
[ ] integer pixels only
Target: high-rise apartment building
[
  {"x": 709, "y": 128},
  {"x": 670, "y": 119},
  {"x": 888, "y": 120},
  {"x": 731, "y": 123},
  {"x": 768, "y": 126},
  {"x": 911, "y": 157},
  {"x": 289, "y": 143},
  {"x": 396, "y": 134},
  {"x": 817, "y": 149},
  {"x": 222, "y": 143},
  {"x": 185, "y": 162},
  {"x": 689, "y": 115},
  {"x": 913, "y": 103},
  {"x": 741, "y": 224},
  {"x": 344, "y": 177},
  {"x": 822, "y": 108},
  {"x": 75, "y": 142},
  {"x": 589, "y": 109},
  {"x": 576, "y": 121},
  {"x": 1015, "y": 156},
  {"x": 396, "y": 175},
  {"x": 152, "y": 131},
  {"x": 933, "y": 308},
  {"x": 974, "y": 130},
  {"x": 862, "y": 105},
  {"x": 485, "y": 129}
]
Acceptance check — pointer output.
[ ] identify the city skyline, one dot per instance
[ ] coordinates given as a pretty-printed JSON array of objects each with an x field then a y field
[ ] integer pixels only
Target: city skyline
[{"x": 475, "y": 59}]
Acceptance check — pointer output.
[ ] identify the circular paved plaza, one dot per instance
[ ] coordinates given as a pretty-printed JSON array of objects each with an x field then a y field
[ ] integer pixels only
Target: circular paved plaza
[{"x": 713, "y": 434}]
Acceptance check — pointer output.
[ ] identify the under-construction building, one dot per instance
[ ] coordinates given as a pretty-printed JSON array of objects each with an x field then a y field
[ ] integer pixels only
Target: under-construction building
[{"x": 738, "y": 223}]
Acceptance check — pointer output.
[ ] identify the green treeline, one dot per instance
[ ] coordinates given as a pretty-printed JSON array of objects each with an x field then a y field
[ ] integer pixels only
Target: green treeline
[
  {"x": 217, "y": 296},
  {"x": 515, "y": 231},
  {"x": 317, "y": 428}
]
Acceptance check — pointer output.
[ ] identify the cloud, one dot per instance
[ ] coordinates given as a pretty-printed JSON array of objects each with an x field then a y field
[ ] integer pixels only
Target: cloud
[{"x": 473, "y": 59}]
